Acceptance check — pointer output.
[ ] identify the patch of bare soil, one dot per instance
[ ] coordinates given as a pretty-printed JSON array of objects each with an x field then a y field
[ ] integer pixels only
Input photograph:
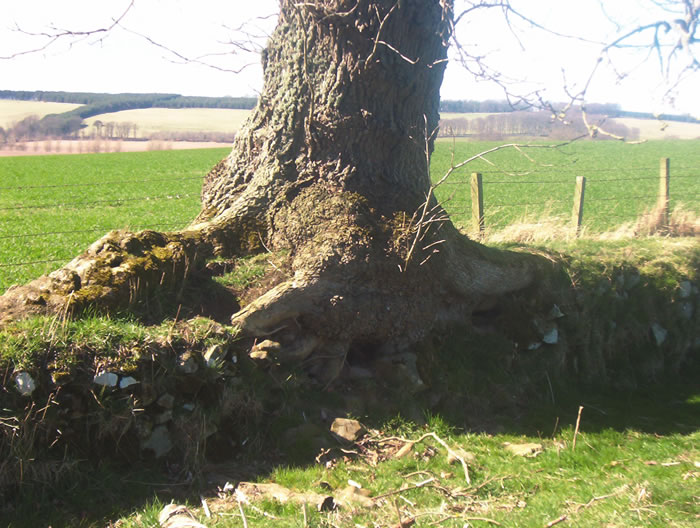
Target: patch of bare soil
[{"x": 85, "y": 146}]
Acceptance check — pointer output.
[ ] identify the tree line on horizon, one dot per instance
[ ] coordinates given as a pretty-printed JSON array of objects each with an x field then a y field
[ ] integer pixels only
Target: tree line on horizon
[{"x": 506, "y": 120}]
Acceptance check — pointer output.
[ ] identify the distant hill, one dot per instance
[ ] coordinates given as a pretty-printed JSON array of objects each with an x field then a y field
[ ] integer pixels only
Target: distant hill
[
  {"x": 130, "y": 101},
  {"x": 94, "y": 104},
  {"x": 112, "y": 115}
]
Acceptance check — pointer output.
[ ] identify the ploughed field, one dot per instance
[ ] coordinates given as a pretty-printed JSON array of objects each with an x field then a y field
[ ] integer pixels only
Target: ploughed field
[{"x": 53, "y": 207}]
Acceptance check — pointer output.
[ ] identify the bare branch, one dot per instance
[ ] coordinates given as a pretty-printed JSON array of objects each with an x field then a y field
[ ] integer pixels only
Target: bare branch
[
  {"x": 58, "y": 34},
  {"x": 188, "y": 60}
]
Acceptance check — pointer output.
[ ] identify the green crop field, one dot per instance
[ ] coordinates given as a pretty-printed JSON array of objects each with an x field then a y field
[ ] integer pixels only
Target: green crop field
[
  {"x": 76, "y": 199},
  {"x": 53, "y": 207},
  {"x": 622, "y": 180}
]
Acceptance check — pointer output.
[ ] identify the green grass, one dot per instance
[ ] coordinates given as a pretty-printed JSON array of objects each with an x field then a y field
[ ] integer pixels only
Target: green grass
[
  {"x": 161, "y": 190},
  {"x": 622, "y": 180},
  {"x": 622, "y": 472},
  {"x": 53, "y": 207}
]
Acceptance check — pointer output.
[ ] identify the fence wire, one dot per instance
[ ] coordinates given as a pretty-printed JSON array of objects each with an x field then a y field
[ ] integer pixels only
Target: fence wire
[{"x": 457, "y": 208}]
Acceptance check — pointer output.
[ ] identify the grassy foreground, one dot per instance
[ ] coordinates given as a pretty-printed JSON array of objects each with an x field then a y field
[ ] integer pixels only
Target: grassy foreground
[
  {"x": 635, "y": 461},
  {"x": 630, "y": 458}
]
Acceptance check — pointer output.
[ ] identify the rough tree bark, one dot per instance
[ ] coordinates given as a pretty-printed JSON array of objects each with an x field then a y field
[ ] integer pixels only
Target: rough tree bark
[{"x": 333, "y": 167}]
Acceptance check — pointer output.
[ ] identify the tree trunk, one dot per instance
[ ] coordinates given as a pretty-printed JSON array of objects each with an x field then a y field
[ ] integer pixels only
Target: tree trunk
[{"x": 332, "y": 166}]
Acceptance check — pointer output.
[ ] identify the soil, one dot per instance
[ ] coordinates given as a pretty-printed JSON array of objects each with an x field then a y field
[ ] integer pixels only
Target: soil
[{"x": 64, "y": 146}]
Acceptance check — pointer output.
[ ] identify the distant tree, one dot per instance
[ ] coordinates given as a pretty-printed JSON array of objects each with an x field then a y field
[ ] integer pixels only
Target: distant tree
[{"x": 97, "y": 127}]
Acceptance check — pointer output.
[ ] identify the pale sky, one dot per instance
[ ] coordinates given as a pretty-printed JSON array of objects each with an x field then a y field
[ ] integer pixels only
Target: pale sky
[{"x": 123, "y": 61}]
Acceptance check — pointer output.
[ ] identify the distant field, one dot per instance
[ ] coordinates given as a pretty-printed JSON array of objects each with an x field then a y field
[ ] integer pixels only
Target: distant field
[
  {"x": 622, "y": 180},
  {"x": 648, "y": 128},
  {"x": 154, "y": 120},
  {"x": 12, "y": 111},
  {"x": 452, "y": 115},
  {"x": 655, "y": 129},
  {"x": 53, "y": 207}
]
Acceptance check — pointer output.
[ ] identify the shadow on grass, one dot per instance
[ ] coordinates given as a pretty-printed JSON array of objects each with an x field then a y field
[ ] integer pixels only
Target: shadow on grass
[{"x": 97, "y": 496}]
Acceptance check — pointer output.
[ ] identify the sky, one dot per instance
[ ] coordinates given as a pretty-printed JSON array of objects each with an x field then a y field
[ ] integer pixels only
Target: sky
[{"x": 136, "y": 56}]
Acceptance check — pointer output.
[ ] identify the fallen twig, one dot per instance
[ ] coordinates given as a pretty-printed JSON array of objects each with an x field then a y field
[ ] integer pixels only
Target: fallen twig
[
  {"x": 578, "y": 423},
  {"x": 556, "y": 521},
  {"x": 401, "y": 490},
  {"x": 447, "y": 447},
  {"x": 205, "y": 506},
  {"x": 240, "y": 508},
  {"x": 449, "y": 517},
  {"x": 580, "y": 507}
]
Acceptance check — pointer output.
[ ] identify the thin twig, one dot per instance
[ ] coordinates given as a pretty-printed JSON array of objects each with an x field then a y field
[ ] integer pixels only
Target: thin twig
[
  {"x": 401, "y": 490},
  {"x": 590, "y": 503},
  {"x": 243, "y": 517},
  {"x": 449, "y": 517},
  {"x": 578, "y": 423},
  {"x": 556, "y": 521}
]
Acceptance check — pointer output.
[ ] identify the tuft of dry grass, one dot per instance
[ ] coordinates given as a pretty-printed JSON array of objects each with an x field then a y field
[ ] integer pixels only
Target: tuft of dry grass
[
  {"x": 681, "y": 223},
  {"x": 544, "y": 228},
  {"x": 528, "y": 230}
]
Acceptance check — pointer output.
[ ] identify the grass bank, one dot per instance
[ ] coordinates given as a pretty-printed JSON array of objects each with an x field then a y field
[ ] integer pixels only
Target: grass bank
[{"x": 500, "y": 393}]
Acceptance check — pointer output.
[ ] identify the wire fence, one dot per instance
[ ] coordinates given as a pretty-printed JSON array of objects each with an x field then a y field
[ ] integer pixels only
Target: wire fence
[
  {"x": 597, "y": 199},
  {"x": 31, "y": 245}
]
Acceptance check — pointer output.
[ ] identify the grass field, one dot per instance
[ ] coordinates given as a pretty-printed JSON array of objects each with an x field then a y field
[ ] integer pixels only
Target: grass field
[
  {"x": 157, "y": 120},
  {"x": 78, "y": 198},
  {"x": 525, "y": 182},
  {"x": 52, "y": 207},
  {"x": 12, "y": 111}
]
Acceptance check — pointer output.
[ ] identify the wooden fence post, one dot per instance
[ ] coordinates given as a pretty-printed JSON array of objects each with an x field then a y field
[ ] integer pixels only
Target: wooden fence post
[
  {"x": 478, "y": 202},
  {"x": 664, "y": 186},
  {"x": 579, "y": 192}
]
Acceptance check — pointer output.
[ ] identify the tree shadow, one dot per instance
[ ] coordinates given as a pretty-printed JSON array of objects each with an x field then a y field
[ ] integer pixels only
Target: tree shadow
[{"x": 98, "y": 494}]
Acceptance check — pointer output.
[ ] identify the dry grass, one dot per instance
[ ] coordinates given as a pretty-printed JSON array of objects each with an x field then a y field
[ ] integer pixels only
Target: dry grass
[
  {"x": 12, "y": 111},
  {"x": 87, "y": 146},
  {"x": 657, "y": 129},
  {"x": 547, "y": 227},
  {"x": 157, "y": 120},
  {"x": 681, "y": 223}
]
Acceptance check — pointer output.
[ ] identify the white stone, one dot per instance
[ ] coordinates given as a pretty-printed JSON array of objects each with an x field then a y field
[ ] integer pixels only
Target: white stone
[
  {"x": 213, "y": 355},
  {"x": 159, "y": 442},
  {"x": 127, "y": 381},
  {"x": 551, "y": 337},
  {"x": 534, "y": 346},
  {"x": 687, "y": 310},
  {"x": 660, "y": 333},
  {"x": 685, "y": 288},
  {"x": 106, "y": 379},
  {"x": 555, "y": 312},
  {"x": 25, "y": 384}
]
